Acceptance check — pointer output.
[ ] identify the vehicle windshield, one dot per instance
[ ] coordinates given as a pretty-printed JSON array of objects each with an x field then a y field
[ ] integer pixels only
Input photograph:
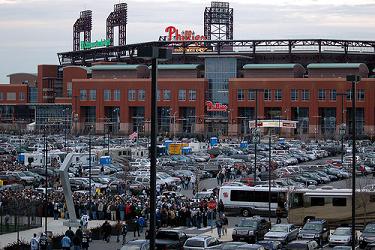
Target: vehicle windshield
[
  {"x": 342, "y": 231},
  {"x": 194, "y": 243},
  {"x": 370, "y": 228},
  {"x": 134, "y": 246},
  {"x": 248, "y": 223},
  {"x": 167, "y": 235},
  {"x": 312, "y": 226},
  {"x": 279, "y": 228},
  {"x": 21, "y": 174}
]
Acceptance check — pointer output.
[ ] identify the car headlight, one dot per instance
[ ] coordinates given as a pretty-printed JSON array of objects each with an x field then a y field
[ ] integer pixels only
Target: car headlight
[
  {"x": 251, "y": 232},
  {"x": 234, "y": 231}
]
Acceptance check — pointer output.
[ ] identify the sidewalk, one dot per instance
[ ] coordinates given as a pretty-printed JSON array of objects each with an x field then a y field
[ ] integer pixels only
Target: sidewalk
[{"x": 56, "y": 226}]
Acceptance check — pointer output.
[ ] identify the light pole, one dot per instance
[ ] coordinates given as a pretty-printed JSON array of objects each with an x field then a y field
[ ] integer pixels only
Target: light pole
[
  {"x": 153, "y": 54},
  {"x": 256, "y": 132},
  {"x": 90, "y": 177},
  {"x": 46, "y": 174},
  {"x": 342, "y": 129},
  {"x": 354, "y": 79}
]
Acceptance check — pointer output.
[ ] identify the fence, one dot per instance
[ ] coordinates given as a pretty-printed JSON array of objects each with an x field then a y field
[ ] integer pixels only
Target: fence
[{"x": 18, "y": 215}]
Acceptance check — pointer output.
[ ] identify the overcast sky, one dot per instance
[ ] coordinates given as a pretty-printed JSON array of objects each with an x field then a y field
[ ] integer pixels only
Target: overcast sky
[{"x": 33, "y": 31}]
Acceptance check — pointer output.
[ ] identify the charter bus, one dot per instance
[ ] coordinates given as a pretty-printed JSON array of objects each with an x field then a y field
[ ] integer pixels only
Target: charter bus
[{"x": 327, "y": 202}]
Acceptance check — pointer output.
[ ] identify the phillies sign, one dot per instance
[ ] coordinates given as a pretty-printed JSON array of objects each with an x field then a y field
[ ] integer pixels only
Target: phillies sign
[
  {"x": 216, "y": 106},
  {"x": 173, "y": 34}
]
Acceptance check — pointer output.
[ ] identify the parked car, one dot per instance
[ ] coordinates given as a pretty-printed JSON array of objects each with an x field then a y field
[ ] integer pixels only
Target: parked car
[
  {"x": 341, "y": 236},
  {"x": 251, "y": 247},
  {"x": 270, "y": 244},
  {"x": 368, "y": 235},
  {"x": 302, "y": 245},
  {"x": 201, "y": 242},
  {"x": 251, "y": 229},
  {"x": 170, "y": 239},
  {"x": 136, "y": 245},
  {"x": 282, "y": 232},
  {"x": 316, "y": 229},
  {"x": 231, "y": 245}
]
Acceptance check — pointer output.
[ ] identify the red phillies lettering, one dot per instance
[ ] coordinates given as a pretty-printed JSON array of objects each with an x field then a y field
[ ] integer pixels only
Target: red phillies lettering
[{"x": 216, "y": 107}]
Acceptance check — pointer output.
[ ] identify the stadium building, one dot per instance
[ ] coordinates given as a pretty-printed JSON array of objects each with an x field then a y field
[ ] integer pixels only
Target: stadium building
[{"x": 212, "y": 85}]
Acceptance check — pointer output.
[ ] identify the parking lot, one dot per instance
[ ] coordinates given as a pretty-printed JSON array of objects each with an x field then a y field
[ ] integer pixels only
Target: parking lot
[{"x": 190, "y": 180}]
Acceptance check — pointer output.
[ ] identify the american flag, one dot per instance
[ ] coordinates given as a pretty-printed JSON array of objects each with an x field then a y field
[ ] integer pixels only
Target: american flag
[{"x": 133, "y": 136}]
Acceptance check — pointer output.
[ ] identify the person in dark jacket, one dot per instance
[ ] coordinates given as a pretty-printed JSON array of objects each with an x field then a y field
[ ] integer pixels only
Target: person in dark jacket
[
  {"x": 106, "y": 229},
  {"x": 85, "y": 241},
  {"x": 76, "y": 242}
]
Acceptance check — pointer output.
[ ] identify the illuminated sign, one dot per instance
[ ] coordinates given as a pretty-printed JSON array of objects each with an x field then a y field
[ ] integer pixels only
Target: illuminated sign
[
  {"x": 216, "y": 106},
  {"x": 96, "y": 44},
  {"x": 274, "y": 124},
  {"x": 175, "y": 35}
]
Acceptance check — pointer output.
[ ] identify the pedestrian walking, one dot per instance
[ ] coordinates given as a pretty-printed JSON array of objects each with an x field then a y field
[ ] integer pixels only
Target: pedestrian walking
[
  {"x": 66, "y": 242},
  {"x": 225, "y": 223},
  {"x": 43, "y": 242},
  {"x": 124, "y": 232},
  {"x": 219, "y": 226},
  {"x": 85, "y": 241},
  {"x": 34, "y": 243}
]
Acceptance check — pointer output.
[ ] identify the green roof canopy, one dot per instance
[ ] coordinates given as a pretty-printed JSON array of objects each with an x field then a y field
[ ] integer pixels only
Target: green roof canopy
[
  {"x": 115, "y": 67},
  {"x": 270, "y": 66},
  {"x": 177, "y": 66},
  {"x": 334, "y": 65}
]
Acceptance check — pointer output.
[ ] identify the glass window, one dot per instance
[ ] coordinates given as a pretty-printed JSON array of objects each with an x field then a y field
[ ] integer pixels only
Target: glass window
[
  {"x": 69, "y": 89},
  {"x": 21, "y": 96},
  {"x": 251, "y": 95},
  {"x": 182, "y": 95},
  {"x": 278, "y": 95},
  {"x": 240, "y": 95},
  {"x": 11, "y": 96},
  {"x": 107, "y": 95},
  {"x": 339, "y": 202},
  {"x": 116, "y": 95},
  {"x": 1, "y": 96},
  {"x": 333, "y": 95},
  {"x": 267, "y": 95},
  {"x": 293, "y": 94},
  {"x": 92, "y": 96},
  {"x": 305, "y": 94},
  {"x": 192, "y": 95},
  {"x": 322, "y": 94},
  {"x": 317, "y": 201},
  {"x": 158, "y": 95},
  {"x": 360, "y": 94},
  {"x": 131, "y": 95},
  {"x": 349, "y": 95},
  {"x": 166, "y": 95},
  {"x": 83, "y": 94},
  {"x": 141, "y": 95}
]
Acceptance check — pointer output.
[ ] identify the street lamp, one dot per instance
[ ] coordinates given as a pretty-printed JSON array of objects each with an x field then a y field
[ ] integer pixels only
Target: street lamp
[
  {"x": 257, "y": 132},
  {"x": 354, "y": 79},
  {"x": 153, "y": 54},
  {"x": 342, "y": 129}
]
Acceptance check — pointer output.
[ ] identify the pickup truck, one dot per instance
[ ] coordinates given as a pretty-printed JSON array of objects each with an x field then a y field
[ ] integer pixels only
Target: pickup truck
[{"x": 170, "y": 239}]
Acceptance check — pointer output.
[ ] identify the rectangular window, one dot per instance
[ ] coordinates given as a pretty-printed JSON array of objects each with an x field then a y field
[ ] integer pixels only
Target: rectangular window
[
  {"x": 293, "y": 94},
  {"x": 116, "y": 95},
  {"x": 360, "y": 94},
  {"x": 317, "y": 201},
  {"x": 182, "y": 95},
  {"x": 141, "y": 95},
  {"x": 251, "y": 95},
  {"x": 192, "y": 95},
  {"x": 333, "y": 95},
  {"x": 1, "y": 96},
  {"x": 267, "y": 95},
  {"x": 240, "y": 95},
  {"x": 305, "y": 94},
  {"x": 131, "y": 95},
  {"x": 107, "y": 95},
  {"x": 21, "y": 96},
  {"x": 11, "y": 96},
  {"x": 83, "y": 94},
  {"x": 278, "y": 95},
  {"x": 92, "y": 96},
  {"x": 349, "y": 95},
  {"x": 322, "y": 94},
  {"x": 167, "y": 95},
  {"x": 158, "y": 95},
  {"x": 237, "y": 195},
  {"x": 69, "y": 89},
  {"x": 339, "y": 202}
]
